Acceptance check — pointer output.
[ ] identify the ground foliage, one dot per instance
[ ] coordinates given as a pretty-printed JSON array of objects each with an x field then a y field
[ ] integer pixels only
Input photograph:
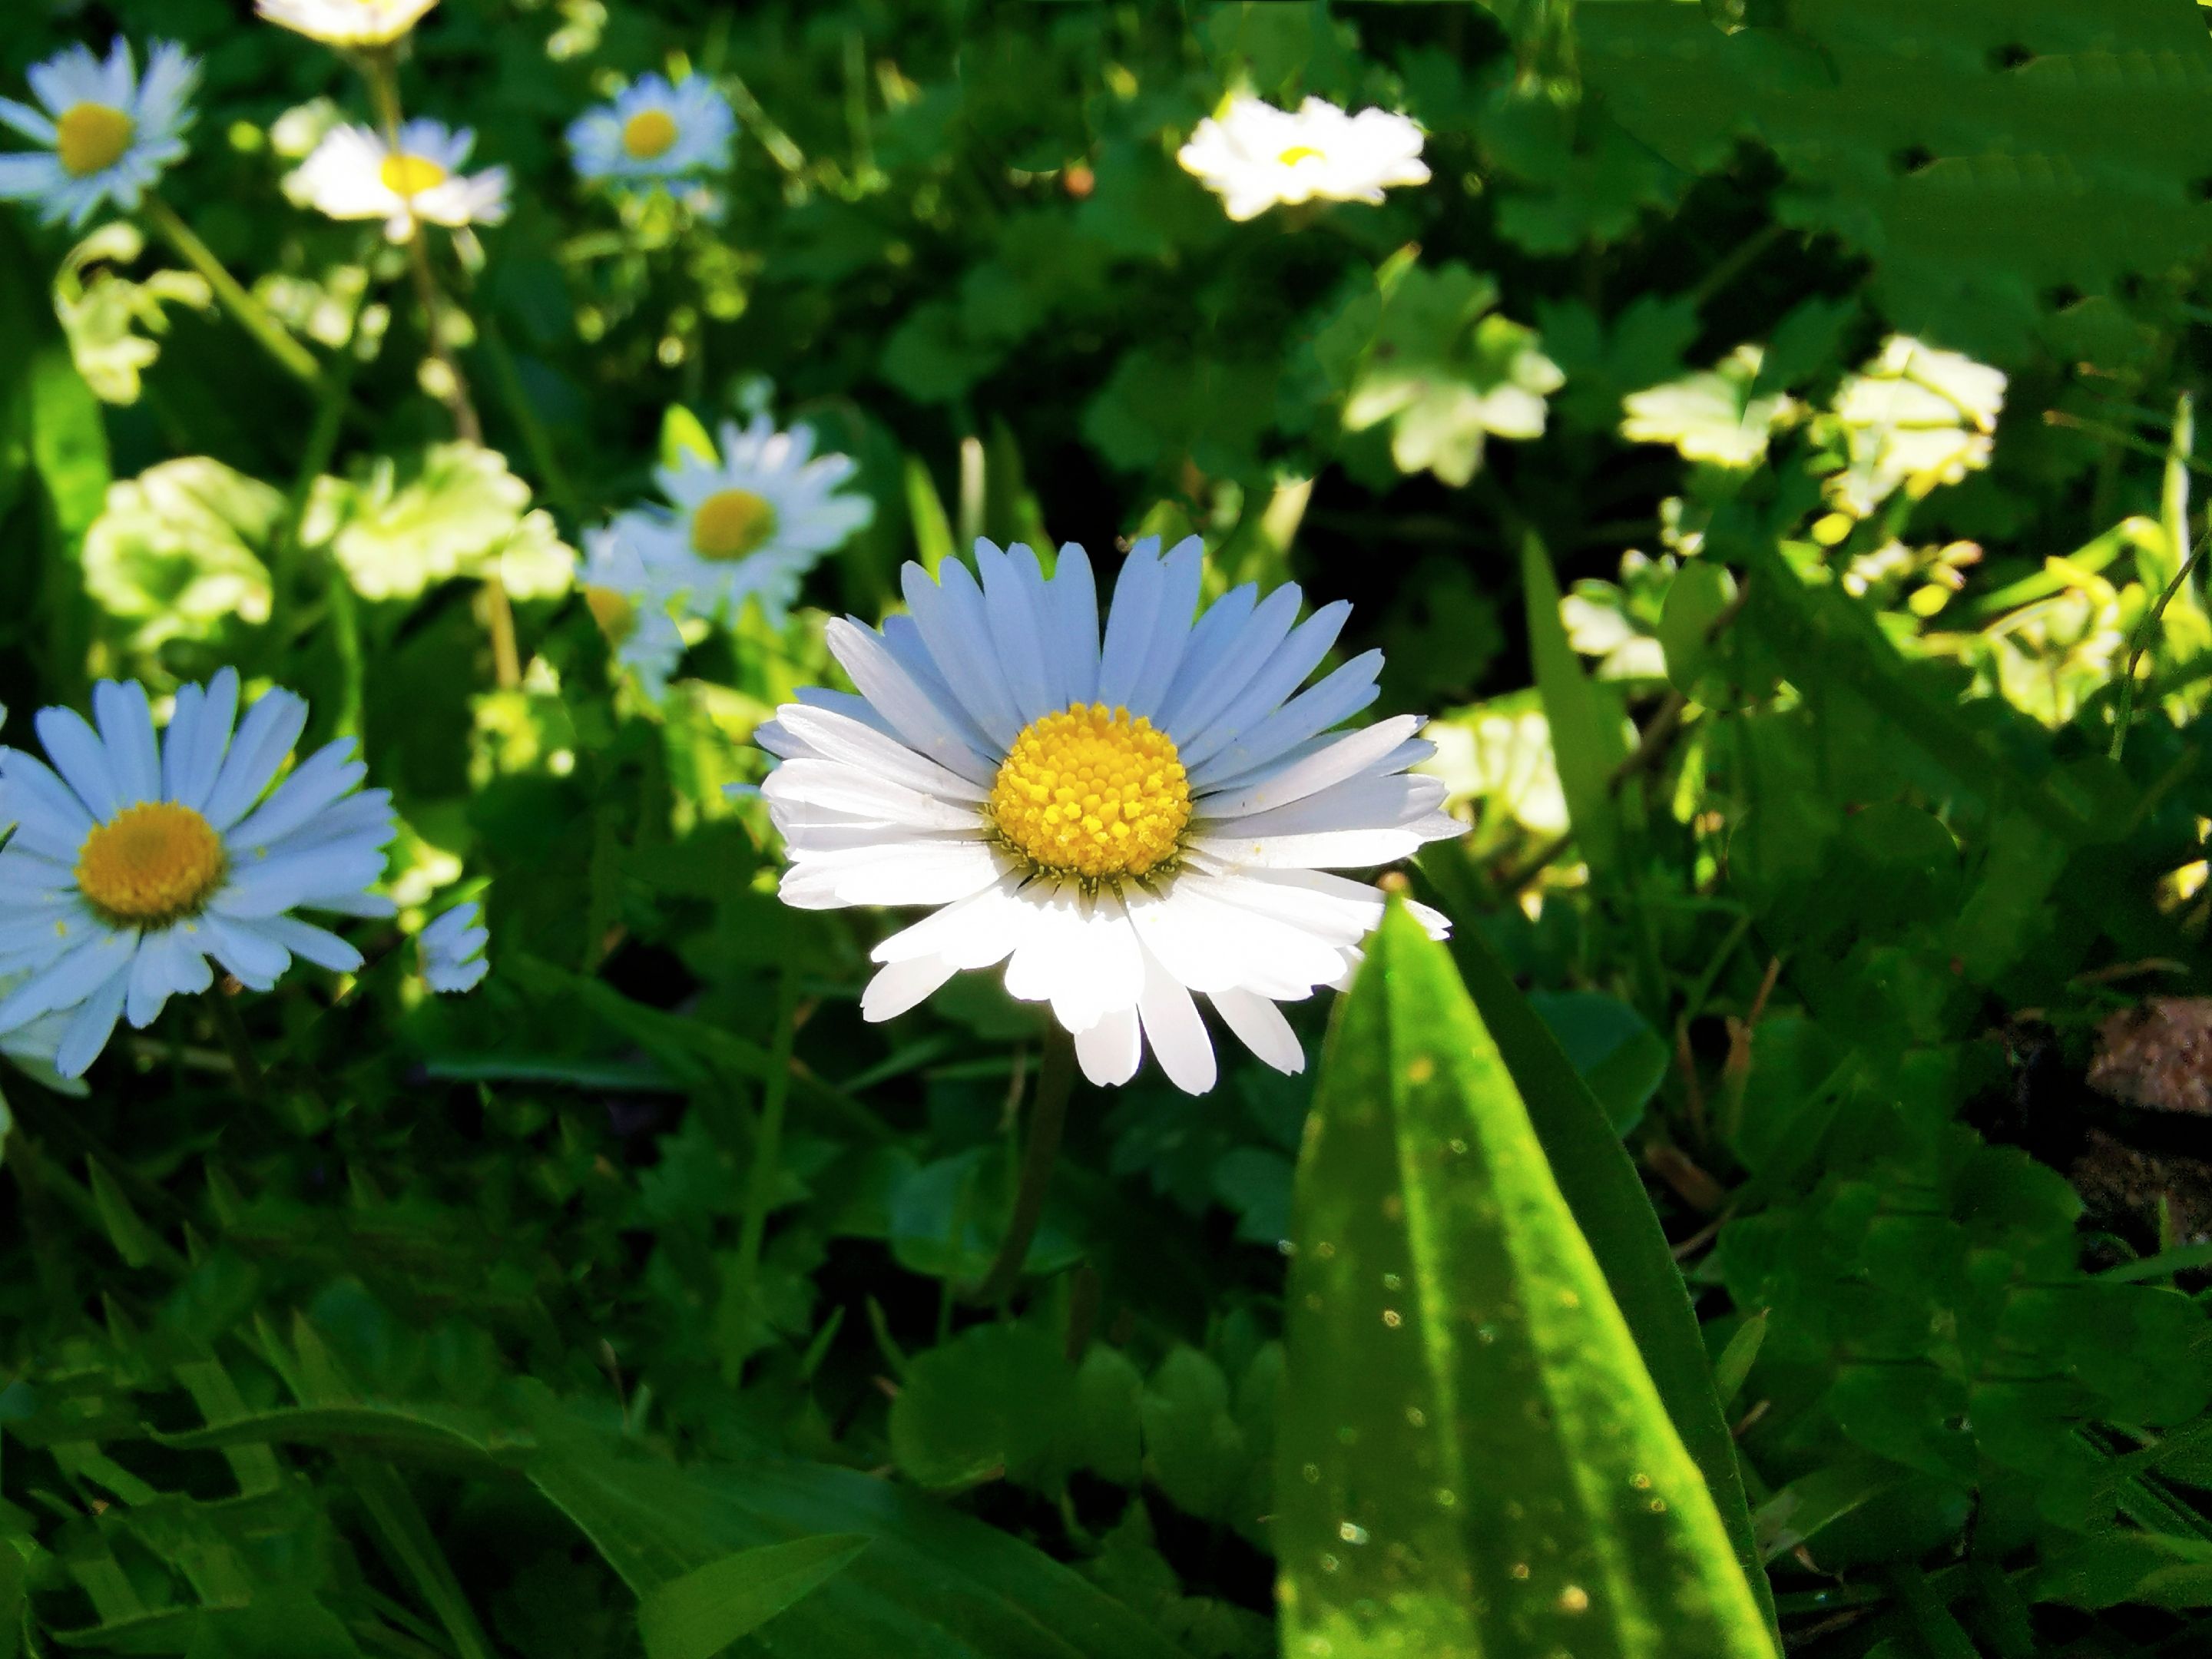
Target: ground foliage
[{"x": 1831, "y": 773}]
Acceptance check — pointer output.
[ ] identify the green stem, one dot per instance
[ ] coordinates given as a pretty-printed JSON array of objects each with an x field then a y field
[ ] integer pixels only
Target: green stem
[
  {"x": 2144, "y": 629},
  {"x": 240, "y": 1047},
  {"x": 768, "y": 1141},
  {"x": 382, "y": 69},
  {"x": 1048, "y": 1122},
  {"x": 284, "y": 560},
  {"x": 253, "y": 316}
]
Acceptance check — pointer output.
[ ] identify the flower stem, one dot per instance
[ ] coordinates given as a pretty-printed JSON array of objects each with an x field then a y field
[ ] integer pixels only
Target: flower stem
[
  {"x": 232, "y": 1030},
  {"x": 767, "y": 1142},
  {"x": 381, "y": 67},
  {"x": 252, "y": 315},
  {"x": 1048, "y": 1121},
  {"x": 2144, "y": 630}
]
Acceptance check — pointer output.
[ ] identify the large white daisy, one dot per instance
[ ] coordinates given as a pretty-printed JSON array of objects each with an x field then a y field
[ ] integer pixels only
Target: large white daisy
[
  {"x": 354, "y": 174},
  {"x": 133, "y": 863},
  {"x": 654, "y": 133},
  {"x": 107, "y": 132},
  {"x": 632, "y": 610},
  {"x": 346, "y": 22},
  {"x": 1255, "y": 157},
  {"x": 749, "y": 525},
  {"x": 1121, "y": 826}
]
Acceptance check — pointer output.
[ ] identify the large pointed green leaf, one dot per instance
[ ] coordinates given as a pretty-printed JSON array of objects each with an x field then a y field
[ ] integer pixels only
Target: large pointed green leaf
[
  {"x": 1473, "y": 1463},
  {"x": 1585, "y": 718},
  {"x": 700, "y": 1614},
  {"x": 1606, "y": 1195}
]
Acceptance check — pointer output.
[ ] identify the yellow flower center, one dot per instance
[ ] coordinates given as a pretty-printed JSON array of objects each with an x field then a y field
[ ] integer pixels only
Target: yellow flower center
[
  {"x": 91, "y": 138},
  {"x": 648, "y": 134},
  {"x": 1298, "y": 153},
  {"x": 730, "y": 524},
  {"x": 150, "y": 865},
  {"x": 1092, "y": 794},
  {"x": 411, "y": 175},
  {"x": 616, "y": 615}
]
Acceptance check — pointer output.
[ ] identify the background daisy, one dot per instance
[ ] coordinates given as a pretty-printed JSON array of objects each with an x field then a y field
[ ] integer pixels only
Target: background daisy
[
  {"x": 354, "y": 174},
  {"x": 1121, "y": 826},
  {"x": 107, "y": 132},
  {"x": 452, "y": 950},
  {"x": 135, "y": 865},
  {"x": 632, "y": 610},
  {"x": 653, "y": 132},
  {"x": 1255, "y": 157},
  {"x": 750, "y": 525},
  {"x": 346, "y": 22}
]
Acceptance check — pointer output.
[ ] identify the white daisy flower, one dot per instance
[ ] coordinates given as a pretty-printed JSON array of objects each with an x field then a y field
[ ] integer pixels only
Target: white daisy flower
[
  {"x": 748, "y": 526},
  {"x": 354, "y": 174},
  {"x": 654, "y": 133},
  {"x": 108, "y": 132},
  {"x": 1122, "y": 826},
  {"x": 1255, "y": 157},
  {"x": 346, "y": 22},
  {"x": 631, "y": 611},
  {"x": 452, "y": 950},
  {"x": 134, "y": 864}
]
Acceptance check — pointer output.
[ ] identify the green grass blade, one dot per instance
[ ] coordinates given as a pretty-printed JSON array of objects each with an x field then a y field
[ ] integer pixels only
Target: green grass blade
[
  {"x": 698, "y": 1616},
  {"x": 1473, "y": 1458}
]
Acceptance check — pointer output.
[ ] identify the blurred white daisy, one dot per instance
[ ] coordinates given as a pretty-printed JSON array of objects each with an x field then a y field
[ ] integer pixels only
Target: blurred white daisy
[
  {"x": 1122, "y": 826},
  {"x": 134, "y": 863},
  {"x": 1255, "y": 157},
  {"x": 632, "y": 610},
  {"x": 748, "y": 525},
  {"x": 107, "y": 131},
  {"x": 346, "y": 22},
  {"x": 654, "y": 133},
  {"x": 354, "y": 174},
  {"x": 452, "y": 950}
]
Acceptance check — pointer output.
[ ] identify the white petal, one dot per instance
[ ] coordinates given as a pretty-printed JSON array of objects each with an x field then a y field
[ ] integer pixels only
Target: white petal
[
  {"x": 1337, "y": 849},
  {"x": 1286, "y": 669},
  {"x": 1364, "y": 803},
  {"x": 1013, "y": 596},
  {"x": 316, "y": 784},
  {"x": 1341, "y": 759},
  {"x": 191, "y": 760},
  {"x": 264, "y": 738},
  {"x": 1181, "y": 573},
  {"x": 1129, "y": 622},
  {"x": 127, "y": 727},
  {"x": 833, "y": 736},
  {"x": 975, "y": 933},
  {"x": 849, "y": 788},
  {"x": 317, "y": 944},
  {"x": 91, "y": 1026},
  {"x": 1073, "y": 602},
  {"x": 900, "y": 985},
  {"x": 1209, "y": 639},
  {"x": 912, "y": 713},
  {"x": 949, "y": 611},
  {"x": 82, "y": 759},
  {"x": 1110, "y": 1051},
  {"x": 1175, "y": 1030},
  {"x": 256, "y": 960},
  {"x": 50, "y": 818},
  {"x": 1261, "y": 1027},
  {"x": 1337, "y": 696},
  {"x": 1241, "y": 660},
  {"x": 893, "y": 872}
]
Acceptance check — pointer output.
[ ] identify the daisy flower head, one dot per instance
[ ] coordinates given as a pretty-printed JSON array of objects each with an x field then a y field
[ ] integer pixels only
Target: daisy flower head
[
  {"x": 1255, "y": 157},
  {"x": 748, "y": 523},
  {"x": 452, "y": 951},
  {"x": 631, "y": 609},
  {"x": 106, "y": 131},
  {"x": 654, "y": 133},
  {"x": 346, "y": 22},
  {"x": 353, "y": 174},
  {"x": 1122, "y": 825},
  {"x": 136, "y": 864}
]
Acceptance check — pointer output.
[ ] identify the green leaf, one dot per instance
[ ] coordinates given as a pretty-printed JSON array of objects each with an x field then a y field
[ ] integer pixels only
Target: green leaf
[
  {"x": 1473, "y": 1458},
  {"x": 1603, "y": 1188},
  {"x": 1736, "y": 1359},
  {"x": 455, "y": 510},
  {"x": 995, "y": 1401},
  {"x": 1420, "y": 355},
  {"x": 1619, "y": 1056},
  {"x": 179, "y": 552},
  {"x": 1585, "y": 719},
  {"x": 682, "y": 433},
  {"x": 700, "y": 1614}
]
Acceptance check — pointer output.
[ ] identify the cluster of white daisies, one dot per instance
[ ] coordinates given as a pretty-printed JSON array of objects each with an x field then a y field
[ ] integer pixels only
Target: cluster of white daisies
[
  {"x": 106, "y": 133},
  {"x": 1128, "y": 822}
]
